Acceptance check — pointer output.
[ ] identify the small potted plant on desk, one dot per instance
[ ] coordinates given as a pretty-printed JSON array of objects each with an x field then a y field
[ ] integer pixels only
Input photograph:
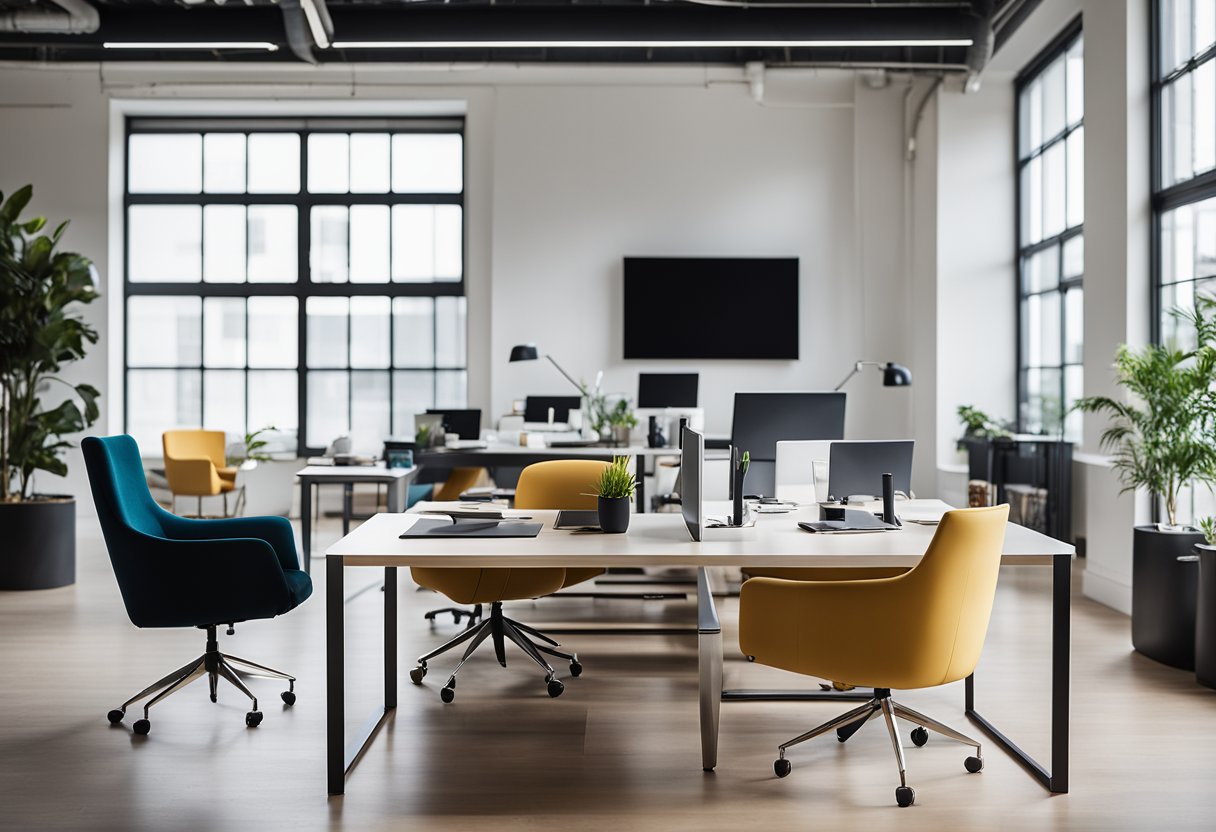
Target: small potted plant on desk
[
  {"x": 1160, "y": 440},
  {"x": 41, "y": 331},
  {"x": 615, "y": 491},
  {"x": 622, "y": 421}
]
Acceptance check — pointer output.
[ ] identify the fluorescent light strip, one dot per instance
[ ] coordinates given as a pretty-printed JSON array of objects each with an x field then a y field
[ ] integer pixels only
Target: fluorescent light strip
[
  {"x": 226, "y": 44},
  {"x": 639, "y": 44}
]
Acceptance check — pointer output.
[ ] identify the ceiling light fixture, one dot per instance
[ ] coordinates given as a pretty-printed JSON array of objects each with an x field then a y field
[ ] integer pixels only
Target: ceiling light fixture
[
  {"x": 224, "y": 44},
  {"x": 775, "y": 43}
]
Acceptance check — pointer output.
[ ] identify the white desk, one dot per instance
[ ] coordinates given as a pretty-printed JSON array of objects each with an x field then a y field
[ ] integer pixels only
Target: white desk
[
  {"x": 397, "y": 481},
  {"x": 662, "y": 540}
]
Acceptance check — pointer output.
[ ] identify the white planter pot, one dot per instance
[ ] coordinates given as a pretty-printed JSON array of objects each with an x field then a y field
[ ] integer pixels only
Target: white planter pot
[{"x": 268, "y": 486}]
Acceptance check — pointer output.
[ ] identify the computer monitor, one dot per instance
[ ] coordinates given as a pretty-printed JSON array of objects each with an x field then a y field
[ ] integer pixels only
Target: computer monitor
[
  {"x": 761, "y": 420},
  {"x": 856, "y": 468},
  {"x": 667, "y": 389},
  {"x": 464, "y": 423},
  {"x": 536, "y": 408},
  {"x": 692, "y": 456}
]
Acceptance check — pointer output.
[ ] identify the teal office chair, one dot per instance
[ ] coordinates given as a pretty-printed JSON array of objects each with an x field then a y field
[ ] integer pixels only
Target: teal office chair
[{"x": 175, "y": 572}]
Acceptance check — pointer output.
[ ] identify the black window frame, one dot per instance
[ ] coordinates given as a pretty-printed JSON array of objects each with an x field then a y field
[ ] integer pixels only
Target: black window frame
[
  {"x": 1187, "y": 192},
  {"x": 1059, "y": 46},
  {"x": 302, "y": 288}
]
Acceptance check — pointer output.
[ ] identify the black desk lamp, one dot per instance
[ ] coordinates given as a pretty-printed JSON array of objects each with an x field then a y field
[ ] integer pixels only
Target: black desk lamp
[
  {"x": 893, "y": 375},
  {"x": 528, "y": 352}
]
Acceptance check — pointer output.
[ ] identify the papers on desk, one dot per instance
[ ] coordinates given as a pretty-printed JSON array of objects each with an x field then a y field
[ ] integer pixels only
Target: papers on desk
[{"x": 921, "y": 516}]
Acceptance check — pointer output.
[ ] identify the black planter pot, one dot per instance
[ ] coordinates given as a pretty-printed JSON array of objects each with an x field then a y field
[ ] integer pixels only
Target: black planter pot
[
  {"x": 1205, "y": 617},
  {"x": 38, "y": 548},
  {"x": 614, "y": 514},
  {"x": 1163, "y": 595}
]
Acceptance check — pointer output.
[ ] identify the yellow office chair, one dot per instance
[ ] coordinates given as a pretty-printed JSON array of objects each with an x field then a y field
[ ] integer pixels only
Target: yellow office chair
[
  {"x": 920, "y": 629},
  {"x": 554, "y": 484},
  {"x": 195, "y": 465}
]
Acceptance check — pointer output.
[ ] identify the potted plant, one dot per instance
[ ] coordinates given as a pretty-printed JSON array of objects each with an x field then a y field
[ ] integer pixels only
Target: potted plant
[
  {"x": 40, "y": 333},
  {"x": 265, "y": 481},
  {"x": 615, "y": 491},
  {"x": 1205, "y": 604},
  {"x": 622, "y": 421},
  {"x": 1161, "y": 440}
]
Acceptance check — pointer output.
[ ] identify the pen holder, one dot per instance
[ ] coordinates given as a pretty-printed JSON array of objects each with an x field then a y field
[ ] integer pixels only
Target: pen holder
[{"x": 738, "y": 475}]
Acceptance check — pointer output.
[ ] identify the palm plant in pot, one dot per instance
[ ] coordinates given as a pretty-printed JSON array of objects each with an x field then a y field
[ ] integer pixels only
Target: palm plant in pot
[
  {"x": 615, "y": 490},
  {"x": 40, "y": 332},
  {"x": 1161, "y": 440}
]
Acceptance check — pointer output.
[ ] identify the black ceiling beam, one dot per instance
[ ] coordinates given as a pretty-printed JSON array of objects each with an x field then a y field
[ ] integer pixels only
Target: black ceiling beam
[{"x": 430, "y": 23}]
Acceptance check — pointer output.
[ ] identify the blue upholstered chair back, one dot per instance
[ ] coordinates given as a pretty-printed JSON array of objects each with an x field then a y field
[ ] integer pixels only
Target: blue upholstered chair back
[{"x": 120, "y": 488}]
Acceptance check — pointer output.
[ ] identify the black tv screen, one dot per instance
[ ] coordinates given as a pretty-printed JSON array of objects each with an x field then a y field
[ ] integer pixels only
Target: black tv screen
[{"x": 711, "y": 307}]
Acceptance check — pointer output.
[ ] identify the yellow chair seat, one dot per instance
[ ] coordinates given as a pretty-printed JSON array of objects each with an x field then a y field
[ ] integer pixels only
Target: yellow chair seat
[
  {"x": 564, "y": 484},
  {"x": 485, "y": 586}
]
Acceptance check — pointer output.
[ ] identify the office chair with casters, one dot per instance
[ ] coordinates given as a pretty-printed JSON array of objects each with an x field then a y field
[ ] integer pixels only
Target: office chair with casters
[
  {"x": 555, "y": 484},
  {"x": 195, "y": 466},
  {"x": 175, "y": 572},
  {"x": 920, "y": 629}
]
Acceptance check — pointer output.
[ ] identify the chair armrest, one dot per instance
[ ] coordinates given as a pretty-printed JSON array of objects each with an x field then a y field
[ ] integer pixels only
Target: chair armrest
[
  {"x": 192, "y": 476},
  {"x": 178, "y": 583},
  {"x": 275, "y": 531}
]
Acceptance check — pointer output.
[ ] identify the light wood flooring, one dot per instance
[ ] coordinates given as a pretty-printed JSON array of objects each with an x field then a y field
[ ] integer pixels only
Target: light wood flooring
[{"x": 618, "y": 751}]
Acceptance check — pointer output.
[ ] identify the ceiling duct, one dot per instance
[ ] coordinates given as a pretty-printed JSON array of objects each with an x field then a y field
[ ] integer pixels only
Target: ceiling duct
[{"x": 73, "y": 17}]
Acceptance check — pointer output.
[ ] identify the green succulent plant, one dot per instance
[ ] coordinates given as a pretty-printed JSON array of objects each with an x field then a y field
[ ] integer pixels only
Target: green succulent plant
[{"x": 616, "y": 481}]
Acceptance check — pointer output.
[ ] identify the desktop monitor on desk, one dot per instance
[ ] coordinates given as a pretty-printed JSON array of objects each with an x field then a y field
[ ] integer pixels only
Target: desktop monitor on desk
[
  {"x": 856, "y": 468},
  {"x": 663, "y": 390},
  {"x": 464, "y": 423},
  {"x": 692, "y": 456},
  {"x": 536, "y": 408},
  {"x": 761, "y": 420}
]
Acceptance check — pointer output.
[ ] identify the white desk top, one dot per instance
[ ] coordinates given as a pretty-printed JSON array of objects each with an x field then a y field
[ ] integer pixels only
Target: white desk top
[
  {"x": 575, "y": 451},
  {"x": 355, "y": 473},
  {"x": 663, "y": 540}
]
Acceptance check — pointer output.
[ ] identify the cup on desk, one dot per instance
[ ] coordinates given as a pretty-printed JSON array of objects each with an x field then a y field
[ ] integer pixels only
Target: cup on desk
[{"x": 450, "y": 439}]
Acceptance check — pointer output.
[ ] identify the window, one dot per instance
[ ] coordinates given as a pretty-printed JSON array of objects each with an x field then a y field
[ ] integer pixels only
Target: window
[
  {"x": 1184, "y": 174},
  {"x": 302, "y": 274},
  {"x": 1051, "y": 256}
]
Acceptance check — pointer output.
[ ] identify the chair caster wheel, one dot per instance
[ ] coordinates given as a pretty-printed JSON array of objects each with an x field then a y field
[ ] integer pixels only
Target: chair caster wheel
[
  {"x": 782, "y": 767},
  {"x": 447, "y": 693},
  {"x": 919, "y": 737},
  {"x": 751, "y": 658},
  {"x": 142, "y": 727},
  {"x": 905, "y": 796},
  {"x": 974, "y": 764},
  {"x": 115, "y": 716},
  {"x": 556, "y": 688},
  {"x": 288, "y": 697},
  {"x": 418, "y": 674},
  {"x": 576, "y": 669},
  {"x": 253, "y": 719}
]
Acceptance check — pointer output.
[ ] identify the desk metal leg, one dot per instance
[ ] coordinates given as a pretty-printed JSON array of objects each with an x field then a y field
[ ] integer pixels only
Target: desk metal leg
[
  {"x": 395, "y": 496},
  {"x": 640, "y": 467},
  {"x": 348, "y": 496},
  {"x": 1056, "y": 780},
  {"x": 306, "y": 522},
  {"x": 341, "y": 757},
  {"x": 709, "y": 664}
]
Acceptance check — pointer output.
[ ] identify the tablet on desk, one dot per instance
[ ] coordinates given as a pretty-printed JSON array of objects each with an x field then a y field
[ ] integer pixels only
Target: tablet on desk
[
  {"x": 427, "y": 527},
  {"x": 577, "y": 519}
]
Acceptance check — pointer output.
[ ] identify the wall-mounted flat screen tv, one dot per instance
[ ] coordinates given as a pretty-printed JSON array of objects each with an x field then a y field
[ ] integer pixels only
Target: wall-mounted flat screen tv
[{"x": 711, "y": 307}]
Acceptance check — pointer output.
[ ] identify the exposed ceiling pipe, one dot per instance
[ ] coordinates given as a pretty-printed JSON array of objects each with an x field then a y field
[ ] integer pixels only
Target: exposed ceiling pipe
[
  {"x": 980, "y": 51},
  {"x": 74, "y": 17},
  {"x": 307, "y": 24}
]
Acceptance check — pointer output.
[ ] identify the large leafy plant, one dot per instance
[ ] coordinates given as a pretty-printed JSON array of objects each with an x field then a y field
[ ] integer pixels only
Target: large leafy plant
[
  {"x": 1161, "y": 438},
  {"x": 40, "y": 331}
]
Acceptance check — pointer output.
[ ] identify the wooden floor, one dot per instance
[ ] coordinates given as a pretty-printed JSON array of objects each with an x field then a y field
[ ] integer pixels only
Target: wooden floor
[{"x": 618, "y": 751}]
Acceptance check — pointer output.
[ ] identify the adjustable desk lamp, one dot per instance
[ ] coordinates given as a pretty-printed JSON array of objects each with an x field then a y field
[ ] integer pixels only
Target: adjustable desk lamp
[
  {"x": 528, "y": 352},
  {"x": 893, "y": 375}
]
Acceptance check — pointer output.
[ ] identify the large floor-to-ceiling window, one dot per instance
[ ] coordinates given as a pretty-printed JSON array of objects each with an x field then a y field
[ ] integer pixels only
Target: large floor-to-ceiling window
[
  {"x": 1184, "y": 172},
  {"x": 1051, "y": 209},
  {"x": 305, "y": 274}
]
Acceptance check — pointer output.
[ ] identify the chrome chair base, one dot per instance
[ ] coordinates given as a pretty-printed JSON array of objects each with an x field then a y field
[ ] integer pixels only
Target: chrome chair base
[
  {"x": 848, "y": 724},
  {"x": 500, "y": 629},
  {"x": 473, "y": 614},
  {"x": 215, "y": 665}
]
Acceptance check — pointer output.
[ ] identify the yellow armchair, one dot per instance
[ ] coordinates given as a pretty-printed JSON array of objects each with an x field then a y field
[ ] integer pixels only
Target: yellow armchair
[
  {"x": 195, "y": 465},
  {"x": 918, "y": 629}
]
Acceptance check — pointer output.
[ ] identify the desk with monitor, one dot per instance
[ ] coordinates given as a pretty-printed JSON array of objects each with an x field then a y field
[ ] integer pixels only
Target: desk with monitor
[{"x": 664, "y": 540}]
